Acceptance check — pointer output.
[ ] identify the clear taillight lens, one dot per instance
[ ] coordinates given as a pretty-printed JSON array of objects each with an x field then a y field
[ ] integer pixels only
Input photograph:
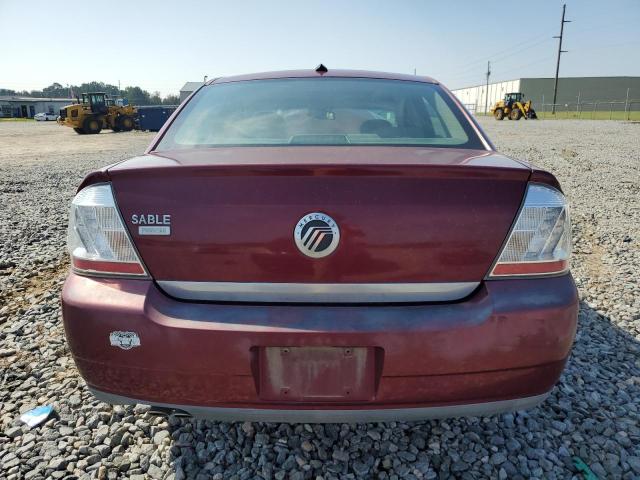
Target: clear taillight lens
[
  {"x": 540, "y": 242},
  {"x": 98, "y": 241}
]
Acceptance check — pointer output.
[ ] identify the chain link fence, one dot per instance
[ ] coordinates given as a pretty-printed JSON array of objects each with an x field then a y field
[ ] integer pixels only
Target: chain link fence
[{"x": 609, "y": 110}]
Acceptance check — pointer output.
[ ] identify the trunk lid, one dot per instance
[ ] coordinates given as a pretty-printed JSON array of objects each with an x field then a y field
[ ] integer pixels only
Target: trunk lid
[{"x": 404, "y": 214}]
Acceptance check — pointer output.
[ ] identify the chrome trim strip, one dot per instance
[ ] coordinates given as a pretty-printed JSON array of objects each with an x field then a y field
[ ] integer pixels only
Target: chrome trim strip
[
  {"x": 358, "y": 414},
  {"x": 318, "y": 292}
]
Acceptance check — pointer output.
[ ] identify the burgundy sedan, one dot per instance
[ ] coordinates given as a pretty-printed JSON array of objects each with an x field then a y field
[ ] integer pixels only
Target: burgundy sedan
[{"x": 321, "y": 246}]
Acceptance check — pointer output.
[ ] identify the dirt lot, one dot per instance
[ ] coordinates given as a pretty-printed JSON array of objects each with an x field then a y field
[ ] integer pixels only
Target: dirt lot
[
  {"x": 40, "y": 143},
  {"x": 592, "y": 414}
]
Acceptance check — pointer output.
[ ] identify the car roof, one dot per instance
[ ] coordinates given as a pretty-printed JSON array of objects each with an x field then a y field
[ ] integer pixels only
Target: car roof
[{"x": 330, "y": 73}]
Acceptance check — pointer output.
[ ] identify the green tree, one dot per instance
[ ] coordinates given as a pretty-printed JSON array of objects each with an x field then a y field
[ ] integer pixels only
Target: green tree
[
  {"x": 156, "y": 99},
  {"x": 111, "y": 90},
  {"x": 55, "y": 90},
  {"x": 137, "y": 96},
  {"x": 171, "y": 100}
]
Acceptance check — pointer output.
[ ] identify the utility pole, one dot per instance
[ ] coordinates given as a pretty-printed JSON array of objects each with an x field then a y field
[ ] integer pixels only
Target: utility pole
[
  {"x": 486, "y": 96},
  {"x": 560, "y": 52}
]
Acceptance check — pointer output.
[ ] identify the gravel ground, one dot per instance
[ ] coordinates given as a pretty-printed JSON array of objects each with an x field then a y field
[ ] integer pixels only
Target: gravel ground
[{"x": 593, "y": 413}]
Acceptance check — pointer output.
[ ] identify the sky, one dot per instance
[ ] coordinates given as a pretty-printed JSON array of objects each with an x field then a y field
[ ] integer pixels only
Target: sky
[{"x": 159, "y": 45}]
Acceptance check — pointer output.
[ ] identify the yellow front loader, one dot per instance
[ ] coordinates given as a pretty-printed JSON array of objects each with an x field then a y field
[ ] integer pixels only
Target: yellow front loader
[
  {"x": 96, "y": 111},
  {"x": 513, "y": 107}
]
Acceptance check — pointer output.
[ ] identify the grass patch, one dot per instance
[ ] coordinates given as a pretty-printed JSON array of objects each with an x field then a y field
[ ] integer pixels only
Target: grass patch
[
  {"x": 590, "y": 115},
  {"x": 16, "y": 119},
  {"x": 584, "y": 115}
]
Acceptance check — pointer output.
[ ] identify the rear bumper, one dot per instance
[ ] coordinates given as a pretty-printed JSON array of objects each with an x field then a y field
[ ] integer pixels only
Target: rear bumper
[
  {"x": 307, "y": 415},
  {"x": 502, "y": 348}
]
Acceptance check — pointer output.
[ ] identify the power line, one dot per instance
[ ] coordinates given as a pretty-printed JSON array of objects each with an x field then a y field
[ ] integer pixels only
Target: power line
[
  {"x": 499, "y": 75},
  {"x": 538, "y": 39},
  {"x": 529, "y": 63},
  {"x": 472, "y": 70},
  {"x": 509, "y": 49},
  {"x": 518, "y": 52},
  {"x": 604, "y": 47}
]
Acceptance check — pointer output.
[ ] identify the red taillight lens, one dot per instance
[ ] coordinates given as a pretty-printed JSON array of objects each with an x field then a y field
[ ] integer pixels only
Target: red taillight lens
[
  {"x": 540, "y": 242},
  {"x": 107, "y": 267},
  {"x": 98, "y": 241}
]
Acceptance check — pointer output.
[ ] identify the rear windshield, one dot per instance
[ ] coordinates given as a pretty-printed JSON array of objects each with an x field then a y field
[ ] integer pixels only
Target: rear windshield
[{"x": 320, "y": 111}]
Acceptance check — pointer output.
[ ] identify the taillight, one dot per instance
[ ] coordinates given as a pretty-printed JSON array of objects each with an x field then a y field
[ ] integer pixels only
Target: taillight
[
  {"x": 540, "y": 242},
  {"x": 98, "y": 241}
]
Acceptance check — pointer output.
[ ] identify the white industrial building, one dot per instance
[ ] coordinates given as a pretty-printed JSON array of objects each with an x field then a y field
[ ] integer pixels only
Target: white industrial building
[
  {"x": 475, "y": 98},
  {"x": 540, "y": 90},
  {"x": 27, "y": 107}
]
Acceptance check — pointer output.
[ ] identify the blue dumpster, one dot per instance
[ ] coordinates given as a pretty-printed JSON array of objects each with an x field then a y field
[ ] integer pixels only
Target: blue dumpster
[{"x": 152, "y": 117}]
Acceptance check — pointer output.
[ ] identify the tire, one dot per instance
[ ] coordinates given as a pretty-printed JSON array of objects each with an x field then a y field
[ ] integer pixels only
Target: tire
[
  {"x": 499, "y": 114},
  {"x": 79, "y": 131},
  {"x": 125, "y": 123},
  {"x": 92, "y": 125},
  {"x": 515, "y": 114},
  {"x": 532, "y": 114}
]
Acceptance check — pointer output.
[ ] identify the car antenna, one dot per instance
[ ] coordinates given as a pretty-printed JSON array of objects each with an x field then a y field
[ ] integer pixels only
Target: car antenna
[{"x": 321, "y": 69}]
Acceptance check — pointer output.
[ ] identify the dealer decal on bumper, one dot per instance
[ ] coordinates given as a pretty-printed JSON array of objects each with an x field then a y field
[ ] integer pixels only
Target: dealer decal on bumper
[{"x": 124, "y": 340}]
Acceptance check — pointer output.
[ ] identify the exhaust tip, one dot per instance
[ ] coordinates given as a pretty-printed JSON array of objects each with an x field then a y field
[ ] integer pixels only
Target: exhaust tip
[
  {"x": 159, "y": 411},
  {"x": 167, "y": 412},
  {"x": 181, "y": 413}
]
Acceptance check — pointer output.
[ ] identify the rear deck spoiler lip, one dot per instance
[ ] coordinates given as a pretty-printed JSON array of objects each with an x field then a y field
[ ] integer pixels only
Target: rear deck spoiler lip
[{"x": 335, "y": 293}]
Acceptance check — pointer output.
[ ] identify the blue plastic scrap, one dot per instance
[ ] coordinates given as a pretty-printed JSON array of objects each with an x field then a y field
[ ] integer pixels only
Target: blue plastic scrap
[{"x": 37, "y": 415}]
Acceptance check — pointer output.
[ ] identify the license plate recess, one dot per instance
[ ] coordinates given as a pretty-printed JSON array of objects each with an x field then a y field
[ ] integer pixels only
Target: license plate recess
[{"x": 317, "y": 374}]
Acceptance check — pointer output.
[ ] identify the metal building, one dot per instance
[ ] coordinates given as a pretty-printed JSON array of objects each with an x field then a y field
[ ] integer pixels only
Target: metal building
[
  {"x": 600, "y": 93},
  {"x": 188, "y": 88},
  {"x": 27, "y": 107}
]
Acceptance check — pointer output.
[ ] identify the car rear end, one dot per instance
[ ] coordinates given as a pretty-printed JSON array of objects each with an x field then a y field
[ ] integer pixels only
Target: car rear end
[{"x": 334, "y": 248}]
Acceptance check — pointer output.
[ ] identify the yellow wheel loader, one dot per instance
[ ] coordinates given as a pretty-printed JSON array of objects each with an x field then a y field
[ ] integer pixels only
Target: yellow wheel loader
[
  {"x": 513, "y": 107},
  {"x": 96, "y": 111}
]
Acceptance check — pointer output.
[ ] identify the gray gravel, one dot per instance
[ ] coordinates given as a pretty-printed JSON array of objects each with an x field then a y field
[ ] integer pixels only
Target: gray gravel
[{"x": 592, "y": 413}]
